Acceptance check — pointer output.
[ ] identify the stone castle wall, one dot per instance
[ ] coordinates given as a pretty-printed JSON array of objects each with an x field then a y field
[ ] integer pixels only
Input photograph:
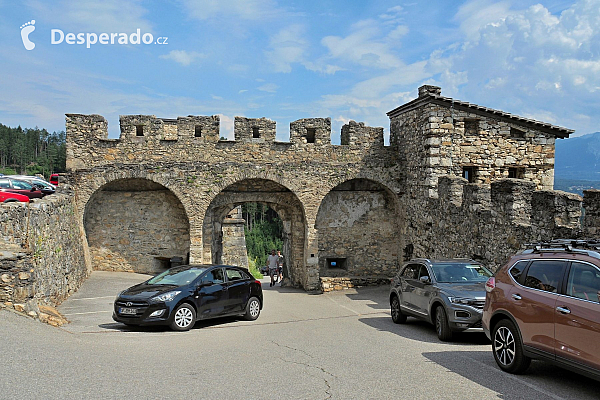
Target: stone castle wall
[
  {"x": 210, "y": 176},
  {"x": 489, "y": 223},
  {"x": 43, "y": 252}
]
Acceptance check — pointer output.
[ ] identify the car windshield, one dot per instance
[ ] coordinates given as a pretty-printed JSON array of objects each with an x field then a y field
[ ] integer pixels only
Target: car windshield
[
  {"x": 460, "y": 272},
  {"x": 176, "y": 276}
]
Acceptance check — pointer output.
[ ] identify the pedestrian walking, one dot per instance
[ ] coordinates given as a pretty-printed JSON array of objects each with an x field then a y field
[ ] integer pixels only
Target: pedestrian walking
[{"x": 273, "y": 262}]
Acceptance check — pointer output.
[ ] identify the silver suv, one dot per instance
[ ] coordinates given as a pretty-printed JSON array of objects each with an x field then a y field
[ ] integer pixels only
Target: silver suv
[{"x": 447, "y": 293}]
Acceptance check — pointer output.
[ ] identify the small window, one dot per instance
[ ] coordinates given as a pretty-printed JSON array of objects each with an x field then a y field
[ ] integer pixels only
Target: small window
[
  {"x": 545, "y": 275},
  {"x": 197, "y": 131},
  {"x": 423, "y": 272},
  {"x": 139, "y": 130},
  {"x": 214, "y": 276},
  {"x": 471, "y": 127},
  {"x": 311, "y": 134},
  {"x": 584, "y": 282},
  {"x": 411, "y": 271},
  {"x": 517, "y": 133},
  {"x": 516, "y": 173},
  {"x": 234, "y": 274},
  {"x": 336, "y": 263},
  {"x": 517, "y": 270},
  {"x": 255, "y": 133},
  {"x": 469, "y": 173}
]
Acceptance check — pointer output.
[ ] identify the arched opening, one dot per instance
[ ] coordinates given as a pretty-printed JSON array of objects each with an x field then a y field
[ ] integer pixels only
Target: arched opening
[
  {"x": 136, "y": 225},
  {"x": 277, "y": 198},
  {"x": 359, "y": 225}
]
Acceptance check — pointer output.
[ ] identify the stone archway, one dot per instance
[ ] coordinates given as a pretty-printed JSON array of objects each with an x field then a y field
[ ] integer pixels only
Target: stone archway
[
  {"x": 359, "y": 229},
  {"x": 277, "y": 197},
  {"x": 136, "y": 225}
]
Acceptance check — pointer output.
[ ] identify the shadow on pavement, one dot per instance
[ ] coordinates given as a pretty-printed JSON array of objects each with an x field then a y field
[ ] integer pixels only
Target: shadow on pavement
[
  {"x": 379, "y": 295},
  {"x": 542, "y": 380},
  {"x": 422, "y": 331},
  {"x": 215, "y": 322}
]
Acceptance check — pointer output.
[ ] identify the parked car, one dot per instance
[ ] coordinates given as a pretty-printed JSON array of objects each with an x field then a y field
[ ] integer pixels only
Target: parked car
[
  {"x": 20, "y": 187},
  {"x": 446, "y": 293},
  {"x": 180, "y": 296},
  {"x": 45, "y": 187},
  {"x": 54, "y": 179},
  {"x": 7, "y": 197},
  {"x": 545, "y": 304}
]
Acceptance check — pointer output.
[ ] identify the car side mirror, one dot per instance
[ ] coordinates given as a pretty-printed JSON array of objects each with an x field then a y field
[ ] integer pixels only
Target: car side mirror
[{"x": 425, "y": 279}]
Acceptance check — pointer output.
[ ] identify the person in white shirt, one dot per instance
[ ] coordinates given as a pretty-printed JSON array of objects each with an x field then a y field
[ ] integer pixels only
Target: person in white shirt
[{"x": 273, "y": 262}]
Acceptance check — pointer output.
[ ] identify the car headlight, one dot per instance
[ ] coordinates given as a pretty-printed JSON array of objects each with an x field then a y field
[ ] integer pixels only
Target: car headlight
[
  {"x": 165, "y": 297},
  {"x": 462, "y": 300}
]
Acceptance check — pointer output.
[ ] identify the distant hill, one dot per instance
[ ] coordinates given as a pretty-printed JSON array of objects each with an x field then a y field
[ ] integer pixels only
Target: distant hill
[{"x": 578, "y": 158}]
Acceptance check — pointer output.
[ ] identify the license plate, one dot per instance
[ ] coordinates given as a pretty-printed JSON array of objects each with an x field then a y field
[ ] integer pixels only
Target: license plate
[{"x": 130, "y": 311}]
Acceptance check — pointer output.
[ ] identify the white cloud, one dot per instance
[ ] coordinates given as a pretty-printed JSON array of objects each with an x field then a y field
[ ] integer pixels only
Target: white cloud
[
  {"x": 182, "y": 57},
  {"x": 269, "y": 87},
  {"x": 533, "y": 62},
  {"x": 287, "y": 47}
]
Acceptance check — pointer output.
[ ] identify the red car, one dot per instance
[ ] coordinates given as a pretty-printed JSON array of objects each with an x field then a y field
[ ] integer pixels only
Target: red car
[
  {"x": 20, "y": 187},
  {"x": 7, "y": 197},
  {"x": 54, "y": 179}
]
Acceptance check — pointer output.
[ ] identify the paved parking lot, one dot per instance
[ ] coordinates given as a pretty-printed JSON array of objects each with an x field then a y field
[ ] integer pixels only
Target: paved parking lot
[{"x": 340, "y": 345}]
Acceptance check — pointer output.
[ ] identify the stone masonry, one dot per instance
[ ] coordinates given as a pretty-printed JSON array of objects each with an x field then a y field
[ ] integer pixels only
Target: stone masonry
[
  {"x": 458, "y": 180},
  {"x": 42, "y": 255}
]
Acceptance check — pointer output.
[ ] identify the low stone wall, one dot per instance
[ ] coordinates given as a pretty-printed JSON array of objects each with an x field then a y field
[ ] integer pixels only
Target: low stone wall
[
  {"x": 42, "y": 254},
  {"x": 329, "y": 284}
]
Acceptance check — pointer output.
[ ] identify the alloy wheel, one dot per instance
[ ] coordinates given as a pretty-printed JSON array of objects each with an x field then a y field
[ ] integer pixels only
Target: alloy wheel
[
  {"x": 183, "y": 317},
  {"x": 254, "y": 308},
  {"x": 504, "y": 346}
]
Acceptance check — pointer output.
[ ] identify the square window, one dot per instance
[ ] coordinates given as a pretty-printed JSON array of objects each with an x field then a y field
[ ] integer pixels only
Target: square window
[
  {"x": 471, "y": 127},
  {"x": 516, "y": 173},
  {"x": 469, "y": 173},
  {"x": 517, "y": 133},
  {"x": 336, "y": 263},
  {"x": 197, "y": 131},
  {"x": 255, "y": 133},
  {"x": 139, "y": 130},
  {"x": 311, "y": 134}
]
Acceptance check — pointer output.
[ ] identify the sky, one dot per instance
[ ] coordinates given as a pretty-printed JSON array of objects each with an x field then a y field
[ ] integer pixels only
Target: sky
[{"x": 286, "y": 60}]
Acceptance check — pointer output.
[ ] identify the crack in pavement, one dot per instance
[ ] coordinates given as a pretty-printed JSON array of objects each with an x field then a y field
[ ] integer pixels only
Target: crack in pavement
[{"x": 323, "y": 370}]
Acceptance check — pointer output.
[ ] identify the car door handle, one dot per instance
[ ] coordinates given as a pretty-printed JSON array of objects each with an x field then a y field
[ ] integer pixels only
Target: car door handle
[
  {"x": 516, "y": 296},
  {"x": 563, "y": 310}
]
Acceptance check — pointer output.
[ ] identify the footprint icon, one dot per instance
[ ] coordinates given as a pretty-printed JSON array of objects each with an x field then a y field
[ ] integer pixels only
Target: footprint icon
[{"x": 26, "y": 29}]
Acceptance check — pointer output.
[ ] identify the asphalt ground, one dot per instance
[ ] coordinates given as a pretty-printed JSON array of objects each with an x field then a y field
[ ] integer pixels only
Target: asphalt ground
[{"x": 340, "y": 345}]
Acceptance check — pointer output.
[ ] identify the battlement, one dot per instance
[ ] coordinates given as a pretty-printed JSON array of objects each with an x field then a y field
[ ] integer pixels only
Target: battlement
[
  {"x": 198, "y": 129},
  {"x": 518, "y": 201}
]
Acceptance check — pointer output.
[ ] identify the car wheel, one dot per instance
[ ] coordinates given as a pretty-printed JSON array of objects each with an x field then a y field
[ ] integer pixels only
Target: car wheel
[
  {"x": 252, "y": 309},
  {"x": 441, "y": 325},
  {"x": 508, "y": 349},
  {"x": 184, "y": 318},
  {"x": 397, "y": 315}
]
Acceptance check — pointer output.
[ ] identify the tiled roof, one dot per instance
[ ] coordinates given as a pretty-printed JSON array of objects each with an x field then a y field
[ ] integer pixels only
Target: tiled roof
[{"x": 558, "y": 131}]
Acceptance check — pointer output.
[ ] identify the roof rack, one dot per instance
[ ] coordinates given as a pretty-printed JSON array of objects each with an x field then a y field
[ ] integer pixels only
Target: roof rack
[{"x": 590, "y": 247}]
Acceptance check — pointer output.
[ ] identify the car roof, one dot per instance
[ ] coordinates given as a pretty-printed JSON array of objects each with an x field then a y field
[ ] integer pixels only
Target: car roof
[{"x": 444, "y": 260}]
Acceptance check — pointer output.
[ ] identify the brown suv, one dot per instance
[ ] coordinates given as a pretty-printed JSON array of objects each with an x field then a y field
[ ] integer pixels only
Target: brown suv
[{"x": 545, "y": 304}]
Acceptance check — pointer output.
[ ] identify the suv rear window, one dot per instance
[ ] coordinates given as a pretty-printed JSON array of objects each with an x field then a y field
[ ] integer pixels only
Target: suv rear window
[
  {"x": 545, "y": 275},
  {"x": 584, "y": 282}
]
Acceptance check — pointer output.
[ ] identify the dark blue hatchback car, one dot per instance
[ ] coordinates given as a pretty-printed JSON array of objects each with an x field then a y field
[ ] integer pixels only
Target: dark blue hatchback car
[{"x": 182, "y": 295}]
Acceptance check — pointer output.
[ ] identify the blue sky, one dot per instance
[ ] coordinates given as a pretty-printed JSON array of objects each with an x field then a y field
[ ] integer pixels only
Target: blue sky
[{"x": 285, "y": 60}]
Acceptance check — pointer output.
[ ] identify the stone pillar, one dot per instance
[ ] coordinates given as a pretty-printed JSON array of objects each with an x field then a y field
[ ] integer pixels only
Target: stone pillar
[{"x": 234, "y": 239}]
